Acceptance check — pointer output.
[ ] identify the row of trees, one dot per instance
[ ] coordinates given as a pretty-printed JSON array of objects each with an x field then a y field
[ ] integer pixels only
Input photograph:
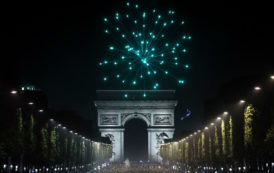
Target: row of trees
[
  {"x": 32, "y": 142},
  {"x": 241, "y": 137}
]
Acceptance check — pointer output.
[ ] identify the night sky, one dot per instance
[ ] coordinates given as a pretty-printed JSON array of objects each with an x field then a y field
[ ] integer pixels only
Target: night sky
[{"x": 56, "y": 47}]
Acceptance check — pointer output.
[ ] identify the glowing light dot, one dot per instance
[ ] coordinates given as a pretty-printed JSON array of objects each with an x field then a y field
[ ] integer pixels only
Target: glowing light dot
[
  {"x": 134, "y": 82},
  {"x": 105, "y": 78},
  {"x": 141, "y": 76},
  {"x": 184, "y": 50},
  {"x": 166, "y": 72},
  {"x": 117, "y": 28},
  {"x": 111, "y": 48},
  {"x": 105, "y": 19},
  {"x": 149, "y": 73},
  {"x": 100, "y": 63},
  {"x": 130, "y": 68},
  {"x": 181, "y": 81},
  {"x": 117, "y": 76},
  {"x": 164, "y": 24},
  {"x": 123, "y": 81},
  {"x": 144, "y": 25},
  {"x": 135, "y": 21},
  {"x": 184, "y": 37},
  {"x": 136, "y": 6},
  {"x": 106, "y": 31},
  {"x": 123, "y": 35},
  {"x": 144, "y": 95},
  {"x": 125, "y": 95},
  {"x": 162, "y": 35},
  {"x": 257, "y": 88},
  {"x": 155, "y": 72},
  {"x": 128, "y": 4},
  {"x": 189, "y": 37},
  {"x": 166, "y": 44},
  {"x": 186, "y": 66},
  {"x": 115, "y": 63},
  {"x": 183, "y": 22},
  {"x": 105, "y": 62},
  {"x": 144, "y": 14},
  {"x": 153, "y": 10},
  {"x": 159, "y": 16}
]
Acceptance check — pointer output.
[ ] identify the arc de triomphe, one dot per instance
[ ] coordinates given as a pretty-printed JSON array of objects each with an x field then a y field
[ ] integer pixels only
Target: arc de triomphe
[{"x": 156, "y": 109}]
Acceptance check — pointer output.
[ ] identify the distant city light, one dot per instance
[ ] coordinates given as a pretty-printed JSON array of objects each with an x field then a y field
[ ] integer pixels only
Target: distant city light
[
  {"x": 218, "y": 118},
  {"x": 41, "y": 110},
  {"x": 30, "y": 103},
  {"x": 206, "y": 128},
  {"x": 242, "y": 101},
  {"x": 212, "y": 124},
  {"x": 225, "y": 113},
  {"x": 13, "y": 92},
  {"x": 272, "y": 77},
  {"x": 257, "y": 88}
]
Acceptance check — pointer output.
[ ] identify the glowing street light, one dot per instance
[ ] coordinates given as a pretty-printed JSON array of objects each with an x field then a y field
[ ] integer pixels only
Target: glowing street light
[
  {"x": 13, "y": 92},
  {"x": 257, "y": 88},
  {"x": 212, "y": 124},
  {"x": 206, "y": 128},
  {"x": 272, "y": 77},
  {"x": 30, "y": 103},
  {"x": 40, "y": 110},
  {"x": 242, "y": 101},
  {"x": 218, "y": 118},
  {"x": 225, "y": 113}
]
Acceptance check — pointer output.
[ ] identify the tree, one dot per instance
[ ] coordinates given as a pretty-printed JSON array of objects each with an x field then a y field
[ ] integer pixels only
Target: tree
[
  {"x": 216, "y": 142},
  {"x": 248, "y": 120},
  {"x": 31, "y": 139},
  {"x": 230, "y": 139},
  {"x": 52, "y": 146},
  {"x": 269, "y": 142},
  {"x": 223, "y": 138},
  {"x": 44, "y": 143}
]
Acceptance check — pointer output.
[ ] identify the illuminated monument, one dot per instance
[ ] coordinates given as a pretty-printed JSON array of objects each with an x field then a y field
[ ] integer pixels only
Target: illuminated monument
[{"x": 116, "y": 107}]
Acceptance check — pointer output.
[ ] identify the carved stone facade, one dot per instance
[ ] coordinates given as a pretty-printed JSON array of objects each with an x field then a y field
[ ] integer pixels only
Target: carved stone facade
[{"x": 158, "y": 114}]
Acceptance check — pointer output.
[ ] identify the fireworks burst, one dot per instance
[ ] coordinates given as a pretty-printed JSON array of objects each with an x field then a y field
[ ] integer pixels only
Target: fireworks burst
[{"x": 146, "y": 48}]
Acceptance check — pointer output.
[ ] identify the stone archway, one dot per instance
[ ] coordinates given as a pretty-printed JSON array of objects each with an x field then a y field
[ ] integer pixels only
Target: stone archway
[
  {"x": 158, "y": 114},
  {"x": 136, "y": 141},
  {"x": 125, "y": 117}
]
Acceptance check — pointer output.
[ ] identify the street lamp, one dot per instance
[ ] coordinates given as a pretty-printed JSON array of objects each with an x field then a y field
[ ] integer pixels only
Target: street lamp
[
  {"x": 272, "y": 77},
  {"x": 225, "y": 113},
  {"x": 257, "y": 88},
  {"x": 242, "y": 101},
  {"x": 30, "y": 103},
  {"x": 218, "y": 118},
  {"x": 13, "y": 92},
  {"x": 40, "y": 110}
]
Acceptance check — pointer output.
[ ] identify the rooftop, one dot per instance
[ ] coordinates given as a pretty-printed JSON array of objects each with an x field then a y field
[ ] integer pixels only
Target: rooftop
[{"x": 135, "y": 94}]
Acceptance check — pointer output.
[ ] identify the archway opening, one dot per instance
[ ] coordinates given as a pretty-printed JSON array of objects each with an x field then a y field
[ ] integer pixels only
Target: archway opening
[{"x": 136, "y": 140}]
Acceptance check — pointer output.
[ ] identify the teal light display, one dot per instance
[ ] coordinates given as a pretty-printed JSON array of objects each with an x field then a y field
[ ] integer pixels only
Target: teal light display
[{"x": 145, "y": 47}]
